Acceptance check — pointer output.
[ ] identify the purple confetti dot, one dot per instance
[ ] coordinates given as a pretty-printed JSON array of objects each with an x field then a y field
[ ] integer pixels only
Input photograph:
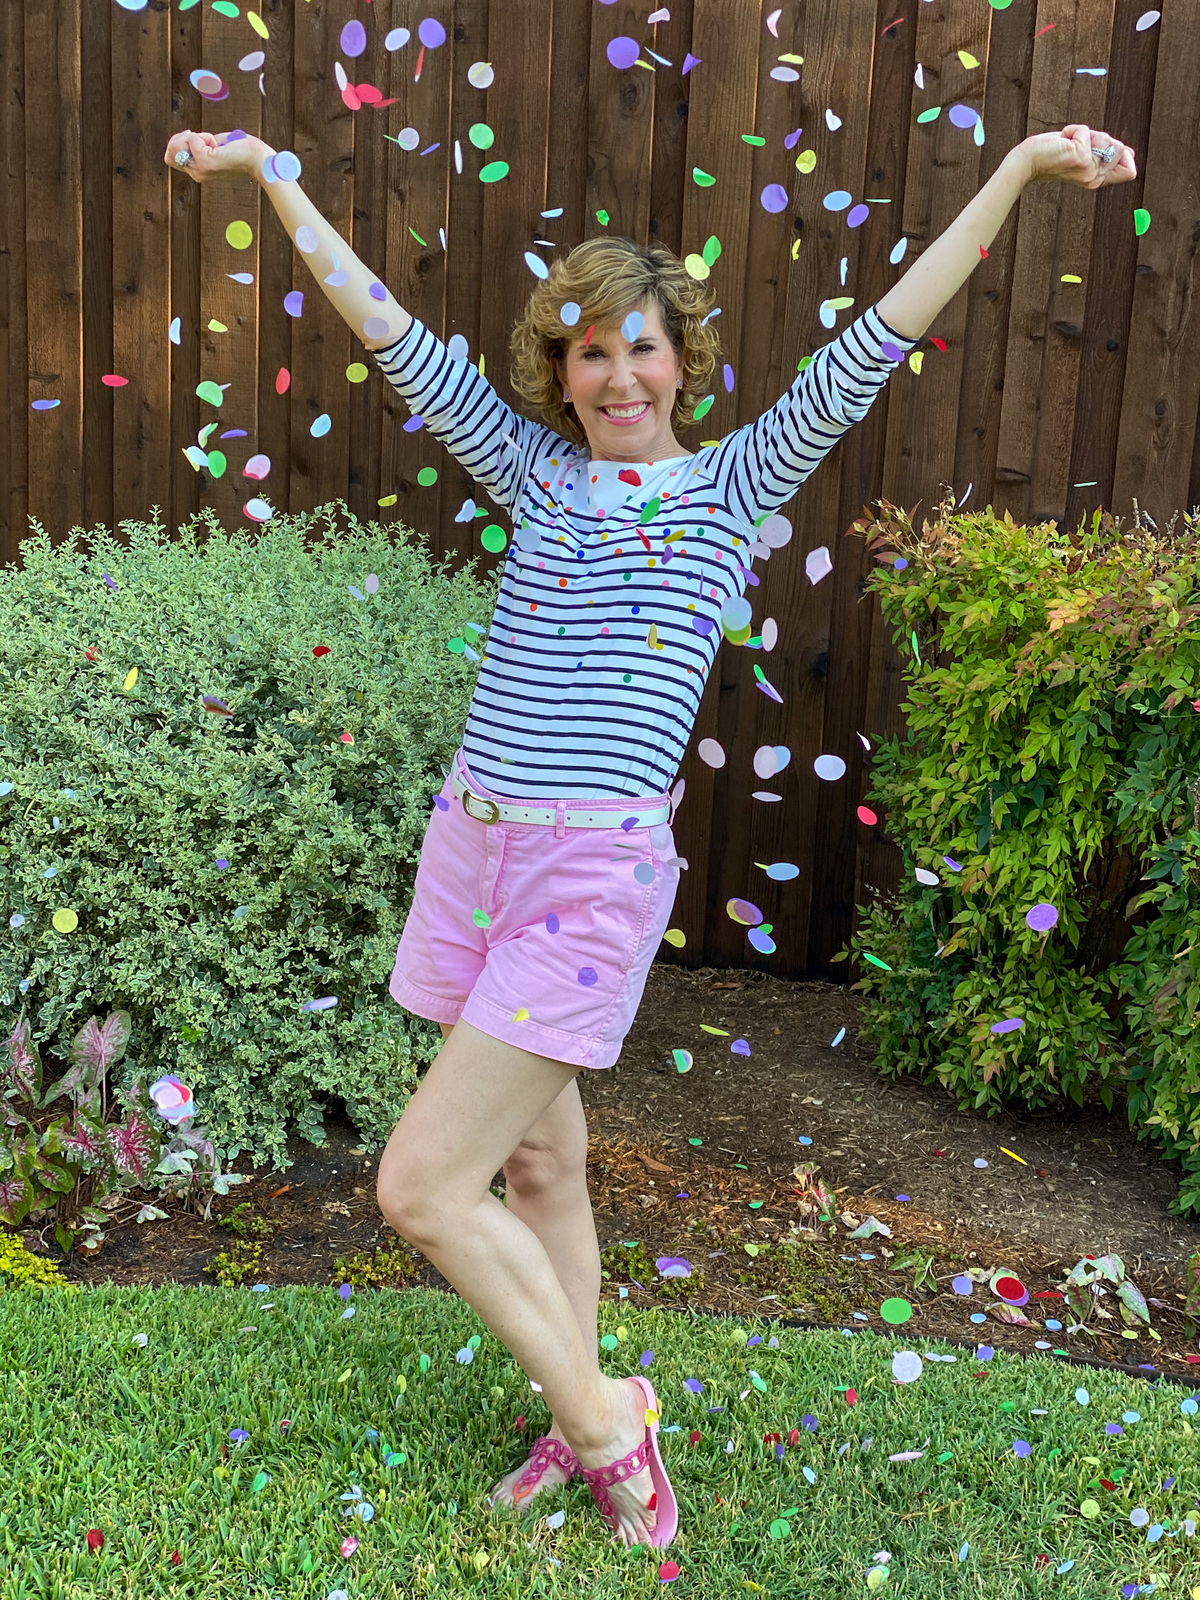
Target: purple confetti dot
[
  {"x": 750, "y": 1343},
  {"x": 1009, "y": 1025},
  {"x": 904, "y": 1197},
  {"x": 293, "y": 303},
  {"x": 779, "y": 1452},
  {"x": 552, "y": 922},
  {"x": 857, "y": 215},
  {"x": 441, "y": 803},
  {"x": 739, "y": 1047},
  {"x": 955, "y": 866},
  {"x": 646, "y": 1357},
  {"x": 431, "y": 33},
  {"x": 622, "y": 52},
  {"x": 1021, "y": 1448},
  {"x": 354, "y": 39},
  {"x": 1042, "y": 917},
  {"x": 901, "y": 564},
  {"x": 1113, "y": 1428},
  {"x": 984, "y": 1353},
  {"x": 588, "y": 976},
  {"x": 774, "y": 198},
  {"x": 809, "y": 1422},
  {"x": 962, "y": 1285},
  {"x": 378, "y": 291},
  {"x": 627, "y": 823},
  {"x": 963, "y": 116},
  {"x": 693, "y": 1385},
  {"x": 891, "y": 350}
]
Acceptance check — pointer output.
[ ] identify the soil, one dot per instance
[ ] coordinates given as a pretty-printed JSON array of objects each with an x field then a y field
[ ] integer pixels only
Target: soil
[{"x": 703, "y": 1163}]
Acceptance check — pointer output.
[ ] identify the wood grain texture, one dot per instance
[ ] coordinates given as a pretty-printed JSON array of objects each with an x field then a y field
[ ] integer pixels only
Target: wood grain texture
[{"x": 1050, "y": 399}]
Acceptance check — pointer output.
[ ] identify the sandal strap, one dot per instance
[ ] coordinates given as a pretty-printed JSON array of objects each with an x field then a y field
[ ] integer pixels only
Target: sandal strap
[
  {"x": 617, "y": 1471},
  {"x": 546, "y": 1450}
]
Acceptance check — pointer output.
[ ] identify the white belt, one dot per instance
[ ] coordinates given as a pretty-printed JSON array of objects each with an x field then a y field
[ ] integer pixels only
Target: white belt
[{"x": 564, "y": 816}]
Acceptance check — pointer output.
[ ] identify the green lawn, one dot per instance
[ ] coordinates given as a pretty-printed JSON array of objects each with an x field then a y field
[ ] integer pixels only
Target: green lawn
[{"x": 116, "y": 1403}]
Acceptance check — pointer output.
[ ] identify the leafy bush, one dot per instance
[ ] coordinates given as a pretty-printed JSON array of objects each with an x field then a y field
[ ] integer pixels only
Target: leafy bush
[
  {"x": 1049, "y": 758},
  {"x": 216, "y": 761}
]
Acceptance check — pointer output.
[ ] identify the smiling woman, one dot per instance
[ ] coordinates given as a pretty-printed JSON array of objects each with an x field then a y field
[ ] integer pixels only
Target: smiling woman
[{"x": 572, "y": 373}]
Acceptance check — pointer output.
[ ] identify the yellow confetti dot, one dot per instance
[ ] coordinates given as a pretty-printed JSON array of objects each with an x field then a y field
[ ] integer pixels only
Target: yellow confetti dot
[
  {"x": 720, "y": 1032},
  {"x": 402, "y": 1383},
  {"x": 130, "y": 678},
  {"x": 521, "y": 1016},
  {"x": 239, "y": 235},
  {"x": 651, "y": 1417},
  {"x": 388, "y": 500},
  {"x": 967, "y": 59},
  {"x": 622, "y": 1332},
  {"x": 217, "y": 327},
  {"x": 676, "y": 937},
  {"x": 1071, "y": 277},
  {"x": 696, "y": 267},
  {"x": 1015, "y": 1156},
  {"x": 257, "y": 23},
  {"x": 65, "y": 921},
  {"x": 481, "y": 1559},
  {"x": 806, "y": 160},
  {"x": 915, "y": 359},
  {"x": 1090, "y": 1509},
  {"x": 357, "y": 372}
]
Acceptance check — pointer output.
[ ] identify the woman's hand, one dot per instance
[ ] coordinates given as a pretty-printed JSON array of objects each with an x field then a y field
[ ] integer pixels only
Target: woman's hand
[
  {"x": 1069, "y": 156},
  {"x": 216, "y": 153}
]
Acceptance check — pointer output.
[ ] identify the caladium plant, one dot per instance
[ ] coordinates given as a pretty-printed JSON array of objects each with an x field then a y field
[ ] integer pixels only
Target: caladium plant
[
  {"x": 1085, "y": 1283},
  {"x": 78, "y": 1166}
]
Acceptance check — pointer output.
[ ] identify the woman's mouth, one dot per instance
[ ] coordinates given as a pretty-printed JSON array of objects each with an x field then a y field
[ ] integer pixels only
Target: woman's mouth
[{"x": 625, "y": 414}]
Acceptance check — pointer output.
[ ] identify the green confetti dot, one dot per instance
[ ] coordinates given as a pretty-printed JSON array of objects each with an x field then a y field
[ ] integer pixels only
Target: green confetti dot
[
  {"x": 896, "y": 1310},
  {"x": 703, "y": 180},
  {"x": 703, "y": 408},
  {"x": 755, "y": 1204},
  {"x": 456, "y": 645},
  {"x": 627, "y": 677},
  {"x": 493, "y": 172},
  {"x": 931, "y": 115},
  {"x": 216, "y": 464},
  {"x": 493, "y": 538},
  {"x": 481, "y": 136},
  {"x": 696, "y": 1141},
  {"x": 481, "y": 920},
  {"x": 427, "y": 476},
  {"x": 875, "y": 961},
  {"x": 609, "y": 1342},
  {"x": 1141, "y": 220},
  {"x": 780, "y": 1528},
  {"x": 999, "y": 5}
]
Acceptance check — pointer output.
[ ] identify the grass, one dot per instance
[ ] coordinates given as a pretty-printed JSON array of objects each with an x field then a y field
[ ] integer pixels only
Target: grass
[{"x": 117, "y": 1403}]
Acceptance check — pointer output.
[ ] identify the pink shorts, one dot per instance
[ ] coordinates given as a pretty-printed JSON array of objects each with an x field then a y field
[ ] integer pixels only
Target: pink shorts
[{"x": 569, "y": 930}]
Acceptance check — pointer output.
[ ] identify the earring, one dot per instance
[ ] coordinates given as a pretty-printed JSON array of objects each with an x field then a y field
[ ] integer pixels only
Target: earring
[{"x": 567, "y": 397}]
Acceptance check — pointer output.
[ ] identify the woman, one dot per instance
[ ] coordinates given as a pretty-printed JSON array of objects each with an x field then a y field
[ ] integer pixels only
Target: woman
[{"x": 548, "y": 870}]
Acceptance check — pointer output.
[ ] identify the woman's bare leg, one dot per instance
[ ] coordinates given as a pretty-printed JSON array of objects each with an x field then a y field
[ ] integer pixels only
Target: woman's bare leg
[{"x": 475, "y": 1104}]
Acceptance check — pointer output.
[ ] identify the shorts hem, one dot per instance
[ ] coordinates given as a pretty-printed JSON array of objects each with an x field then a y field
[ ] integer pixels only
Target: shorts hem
[
  {"x": 573, "y": 1049},
  {"x": 423, "y": 1002}
]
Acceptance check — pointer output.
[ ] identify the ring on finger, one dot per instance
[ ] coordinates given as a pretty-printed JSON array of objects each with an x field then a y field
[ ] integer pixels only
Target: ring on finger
[{"x": 1104, "y": 156}]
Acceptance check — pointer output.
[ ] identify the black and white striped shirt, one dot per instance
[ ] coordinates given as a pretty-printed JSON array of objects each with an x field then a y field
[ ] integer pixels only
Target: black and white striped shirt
[{"x": 609, "y": 612}]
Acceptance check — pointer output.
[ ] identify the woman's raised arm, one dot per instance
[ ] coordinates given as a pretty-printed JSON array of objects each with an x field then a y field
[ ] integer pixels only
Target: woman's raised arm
[{"x": 349, "y": 293}]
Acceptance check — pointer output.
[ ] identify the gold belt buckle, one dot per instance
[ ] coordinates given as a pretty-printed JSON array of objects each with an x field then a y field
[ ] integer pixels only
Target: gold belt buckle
[{"x": 480, "y": 801}]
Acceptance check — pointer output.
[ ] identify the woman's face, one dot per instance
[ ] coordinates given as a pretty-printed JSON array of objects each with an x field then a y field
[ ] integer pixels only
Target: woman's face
[{"x": 610, "y": 371}]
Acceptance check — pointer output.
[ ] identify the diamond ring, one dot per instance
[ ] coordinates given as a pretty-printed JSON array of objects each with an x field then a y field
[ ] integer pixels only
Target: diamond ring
[
  {"x": 1105, "y": 155},
  {"x": 183, "y": 158}
]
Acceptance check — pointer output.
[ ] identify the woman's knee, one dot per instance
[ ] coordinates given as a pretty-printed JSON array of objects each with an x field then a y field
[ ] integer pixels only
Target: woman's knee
[{"x": 535, "y": 1169}]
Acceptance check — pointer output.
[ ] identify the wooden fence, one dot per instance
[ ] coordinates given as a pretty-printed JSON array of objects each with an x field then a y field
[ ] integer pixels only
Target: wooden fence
[{"x": 1050, "y": 398}]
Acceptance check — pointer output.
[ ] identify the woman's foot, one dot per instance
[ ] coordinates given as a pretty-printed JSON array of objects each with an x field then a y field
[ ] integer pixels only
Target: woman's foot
[
  {"x": 553, "y": 1477},
  {"x": 630, "y": 1498}
]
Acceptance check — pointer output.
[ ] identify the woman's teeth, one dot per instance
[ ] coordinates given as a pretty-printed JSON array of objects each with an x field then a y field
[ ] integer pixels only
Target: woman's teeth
[{"x": 625, "y": 411}]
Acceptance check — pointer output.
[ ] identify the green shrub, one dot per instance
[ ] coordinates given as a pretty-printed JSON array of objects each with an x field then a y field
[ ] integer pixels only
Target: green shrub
[
  {"x": 219, "y": 753},
  {"x": 1048, "y": 756}
]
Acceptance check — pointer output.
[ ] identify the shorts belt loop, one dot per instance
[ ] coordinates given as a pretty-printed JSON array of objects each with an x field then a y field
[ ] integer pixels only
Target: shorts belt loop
[{"x": 560, "y": 820}]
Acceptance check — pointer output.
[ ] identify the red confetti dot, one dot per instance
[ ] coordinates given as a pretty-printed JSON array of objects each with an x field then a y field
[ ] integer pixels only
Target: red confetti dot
[
  {"x": 851, "y": 1397},
  {"x": 283, "y": 379},
  {"x": 941, "y": 343},
  {"x": 694, "y": 1438},
  {"x": 113, "y": 381},
  {"x": 865, "y": 814},
  {"x": 321, "y": 649},
  {"x": 668, "y": 1572},
  {"x": 982, "y": 253},
  {"x": 95, "y": 1539}
]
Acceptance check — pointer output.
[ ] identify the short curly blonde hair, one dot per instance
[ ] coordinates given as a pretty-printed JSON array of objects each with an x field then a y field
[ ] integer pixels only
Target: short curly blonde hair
[{"x": 607, "y": 278}]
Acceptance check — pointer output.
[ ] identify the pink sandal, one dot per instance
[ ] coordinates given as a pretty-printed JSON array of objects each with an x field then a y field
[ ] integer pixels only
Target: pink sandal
[
  {"x": 600, "y": 1479},
  {"x": 546, "y": 1452}
]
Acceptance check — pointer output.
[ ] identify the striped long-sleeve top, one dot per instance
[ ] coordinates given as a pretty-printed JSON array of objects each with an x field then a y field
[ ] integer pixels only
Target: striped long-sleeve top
[{"x": 610, "y": 604}]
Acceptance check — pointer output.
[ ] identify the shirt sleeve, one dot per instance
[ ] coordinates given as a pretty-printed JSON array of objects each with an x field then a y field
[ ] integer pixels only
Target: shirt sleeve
[
  {"x": 760, "y": 467},
  {"x": 460, "y": 408}
]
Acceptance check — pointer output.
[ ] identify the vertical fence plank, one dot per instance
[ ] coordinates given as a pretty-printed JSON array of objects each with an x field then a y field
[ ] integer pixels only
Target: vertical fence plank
[
  {"x": 54, "y": 242},
  {"x": 324, "y": 143},
  {"x": 186, "y": 484},
  {"x": 14, "y": 364},
  {"x": 277, "y": 260},
  {"x": 104, "y": 174},
  {"x": 138, "y": 308}
]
